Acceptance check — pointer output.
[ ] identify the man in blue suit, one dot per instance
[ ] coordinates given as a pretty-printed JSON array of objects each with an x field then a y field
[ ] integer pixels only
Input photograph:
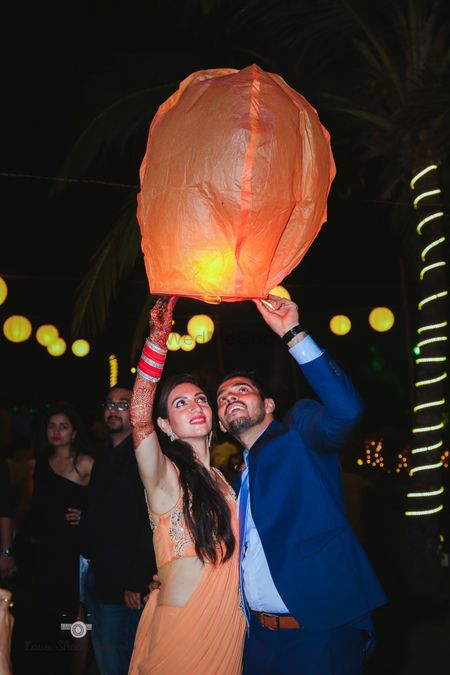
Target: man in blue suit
[{"x": 308, "y": 587}]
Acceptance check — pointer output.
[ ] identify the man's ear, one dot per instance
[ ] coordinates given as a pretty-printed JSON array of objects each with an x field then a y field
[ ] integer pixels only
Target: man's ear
[
  {"x": 163, "y": 425},
  {"x": 269, "y": 406}
]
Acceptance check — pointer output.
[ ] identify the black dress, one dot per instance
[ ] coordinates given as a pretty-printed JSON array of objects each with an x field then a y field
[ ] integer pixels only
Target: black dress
[{"x": 56, "y": 561}]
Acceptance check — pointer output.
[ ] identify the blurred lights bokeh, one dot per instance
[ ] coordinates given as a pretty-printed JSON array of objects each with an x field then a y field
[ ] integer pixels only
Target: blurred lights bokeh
[
  {"x": 381, "y": 319},
  {"x": 46, "y": 334},
  {"x": 80, "y": 347},
  {"x": 201, "y": 328},
  {"x": 57, "y": 348},
  {"x": 17, "y": 328},
  {"x": 3, "y": 291},
  {"x": 340, "y": 324}
]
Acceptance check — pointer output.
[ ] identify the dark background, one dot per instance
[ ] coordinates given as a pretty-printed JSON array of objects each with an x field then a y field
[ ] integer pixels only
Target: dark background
[
  {"x": 62, "y": 67},
  {"x": 63, "y": 64}
]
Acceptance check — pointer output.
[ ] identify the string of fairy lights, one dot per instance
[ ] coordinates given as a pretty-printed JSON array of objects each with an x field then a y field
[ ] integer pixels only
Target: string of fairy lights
[{"x": 427, "y": 454}]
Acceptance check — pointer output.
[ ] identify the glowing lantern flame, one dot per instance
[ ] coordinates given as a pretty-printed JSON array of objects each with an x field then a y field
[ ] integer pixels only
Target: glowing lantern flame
[
  {"x": 57, "y": 348},
  {"x": 3, "y": 291},
  {"x": 340, "y": 324},
  {"x": 201, "y": 328},
  {"x": 81, "y": 348},
  {"x": 46, "y": 334},
  {"x": 17, "y": 328},
  {"x": 234, "y": 185},
  {"x": 381, "y": 319}
]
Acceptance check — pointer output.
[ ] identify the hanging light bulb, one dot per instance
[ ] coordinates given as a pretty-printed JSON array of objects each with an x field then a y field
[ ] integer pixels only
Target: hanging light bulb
[
  {"x": 17, "y": 328},
  {"x": 201, "y": 328},
  {"x": 46, "y": 334}
]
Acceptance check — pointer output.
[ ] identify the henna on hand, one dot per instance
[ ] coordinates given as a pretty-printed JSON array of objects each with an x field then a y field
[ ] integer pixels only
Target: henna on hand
[
  {"x": 161, "y": 320},
  {"x": 144, "y": 390}
]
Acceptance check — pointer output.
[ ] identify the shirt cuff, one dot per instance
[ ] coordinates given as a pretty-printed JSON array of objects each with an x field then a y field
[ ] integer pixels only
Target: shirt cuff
[{"x": 306, "y": 350}]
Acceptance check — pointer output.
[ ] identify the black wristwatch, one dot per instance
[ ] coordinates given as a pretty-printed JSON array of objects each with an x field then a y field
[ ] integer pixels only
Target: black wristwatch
[{"x": 287, "y": 337}]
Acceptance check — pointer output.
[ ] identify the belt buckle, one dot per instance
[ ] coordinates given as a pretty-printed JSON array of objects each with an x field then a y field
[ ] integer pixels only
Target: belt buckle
[{"x": 277, "y": 621}]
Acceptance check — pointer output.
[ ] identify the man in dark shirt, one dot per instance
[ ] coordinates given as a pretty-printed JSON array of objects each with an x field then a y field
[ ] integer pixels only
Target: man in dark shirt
[{"x": 117, "y": 541}]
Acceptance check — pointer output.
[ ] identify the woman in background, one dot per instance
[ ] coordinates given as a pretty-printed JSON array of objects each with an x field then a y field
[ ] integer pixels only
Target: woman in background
[{"x": 60, "y": 484}]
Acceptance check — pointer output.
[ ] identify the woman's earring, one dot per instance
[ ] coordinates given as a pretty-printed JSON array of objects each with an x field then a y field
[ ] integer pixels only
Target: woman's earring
[
  {"x": 209, "y": 439},
  {"x": 171, "y": 436}
]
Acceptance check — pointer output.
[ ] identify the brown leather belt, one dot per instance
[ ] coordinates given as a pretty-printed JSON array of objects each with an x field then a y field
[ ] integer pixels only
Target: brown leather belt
[{"x": 275, "y": 621}]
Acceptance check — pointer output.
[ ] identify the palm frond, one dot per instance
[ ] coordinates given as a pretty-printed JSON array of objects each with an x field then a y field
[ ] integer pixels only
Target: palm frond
[
  {"x": 141, "y": 328},
  {"x": 115, "y": 257},
  {"x": 116, "y": 132}
]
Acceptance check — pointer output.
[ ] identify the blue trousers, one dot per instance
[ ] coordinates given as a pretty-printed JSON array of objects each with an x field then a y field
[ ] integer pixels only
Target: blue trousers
[
  {"x": 340, "y": 651},
  {"x": 113, "y": 631}
]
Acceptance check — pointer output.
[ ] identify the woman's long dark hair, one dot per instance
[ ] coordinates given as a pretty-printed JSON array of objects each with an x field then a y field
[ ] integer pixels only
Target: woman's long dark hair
[
  {"x": 80, "y": 444},
  {"x": 205, "y": 510}
]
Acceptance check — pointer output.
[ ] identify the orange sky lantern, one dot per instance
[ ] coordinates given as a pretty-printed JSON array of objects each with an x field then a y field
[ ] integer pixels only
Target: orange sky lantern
[{"x": 234, "y": 185}]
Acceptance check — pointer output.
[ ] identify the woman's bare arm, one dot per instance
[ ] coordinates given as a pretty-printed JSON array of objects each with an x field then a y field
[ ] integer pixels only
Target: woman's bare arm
[{"x": 157, "y": 472}]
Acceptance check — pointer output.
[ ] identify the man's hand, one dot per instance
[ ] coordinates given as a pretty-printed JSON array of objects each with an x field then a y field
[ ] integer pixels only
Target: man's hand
[
  {"x": 132, "y": 600},
  {"x": 279, "y": 313},
  {"x": 153, "y": 586}
]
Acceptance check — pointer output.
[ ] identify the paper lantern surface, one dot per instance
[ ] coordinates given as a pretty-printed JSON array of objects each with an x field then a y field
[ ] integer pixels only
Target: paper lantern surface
[
  {"x": 17, "y": 328},
  {"x": 81, "y": 347},
  {"x": 3, "y": 290},
  {"x": 381, "y": 319},
  {"x": 234, "y": 185},
  {"x": 57, "y": 348},
  {"x": 46, "y": 334}
]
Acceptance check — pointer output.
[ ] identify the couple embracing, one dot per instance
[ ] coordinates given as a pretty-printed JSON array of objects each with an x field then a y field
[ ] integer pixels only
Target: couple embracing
[{"x": 273, "y": 581}]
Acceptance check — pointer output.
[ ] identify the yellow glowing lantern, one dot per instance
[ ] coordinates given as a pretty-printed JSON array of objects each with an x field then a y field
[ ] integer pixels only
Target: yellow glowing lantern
[
  {"x": 281, "y": 292},
  {"x": 381, "y": 319},
  {"x": 234, "y": 185},
  {"x": 57, "y": 348},
  {"x": 81, "y": 347},
  {"x": 340, "y": 324},
  {"x": 173, "y": 342},
  {"x": 201, "y": 328},
  {"x": 46, "y": 334},
  {"x": 187, "y": 343},
  {"x": 3, "y": 291},
  {"x": 17, "y": 328}
]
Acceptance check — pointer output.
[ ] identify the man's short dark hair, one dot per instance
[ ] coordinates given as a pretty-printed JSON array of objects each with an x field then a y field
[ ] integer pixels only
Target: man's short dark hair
[
  {"x": 119, "y": 385},
  {"x": 251, "y": 375}
]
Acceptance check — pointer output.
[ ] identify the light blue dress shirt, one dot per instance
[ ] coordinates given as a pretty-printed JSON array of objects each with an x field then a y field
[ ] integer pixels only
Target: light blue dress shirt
[{"x": 259, "y": 588}]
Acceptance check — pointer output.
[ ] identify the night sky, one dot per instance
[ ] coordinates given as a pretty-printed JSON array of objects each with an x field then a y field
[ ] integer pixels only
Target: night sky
[{"x": 60, "y": 72}]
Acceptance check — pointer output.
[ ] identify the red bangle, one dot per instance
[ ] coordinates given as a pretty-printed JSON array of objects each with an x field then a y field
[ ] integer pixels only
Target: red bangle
[{"x": 151, "y": 363}]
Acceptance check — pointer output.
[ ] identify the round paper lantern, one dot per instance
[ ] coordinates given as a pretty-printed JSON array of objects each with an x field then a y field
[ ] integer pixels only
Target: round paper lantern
[
  {"x": 173, "y": 342},
  {"x": 17, "y": 328},
  {"x": 3, "y": 291},
  {"x": 201, "y": 328},
  {"x": 281, "y": 292},
  {"x": 187, "y": 343},
  {"x": 80, "y": 347},
  {"x": 234, "y": 185},
  {"x": 340, "y": 324},
  {"x": 46, "y": 334},
  {"x": 57, "y": 348},
  {"x": 381, "y": 319}
]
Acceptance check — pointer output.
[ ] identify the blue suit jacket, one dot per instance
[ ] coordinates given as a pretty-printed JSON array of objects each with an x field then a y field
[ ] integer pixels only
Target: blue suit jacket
[{"x": 316, "y": 561}]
